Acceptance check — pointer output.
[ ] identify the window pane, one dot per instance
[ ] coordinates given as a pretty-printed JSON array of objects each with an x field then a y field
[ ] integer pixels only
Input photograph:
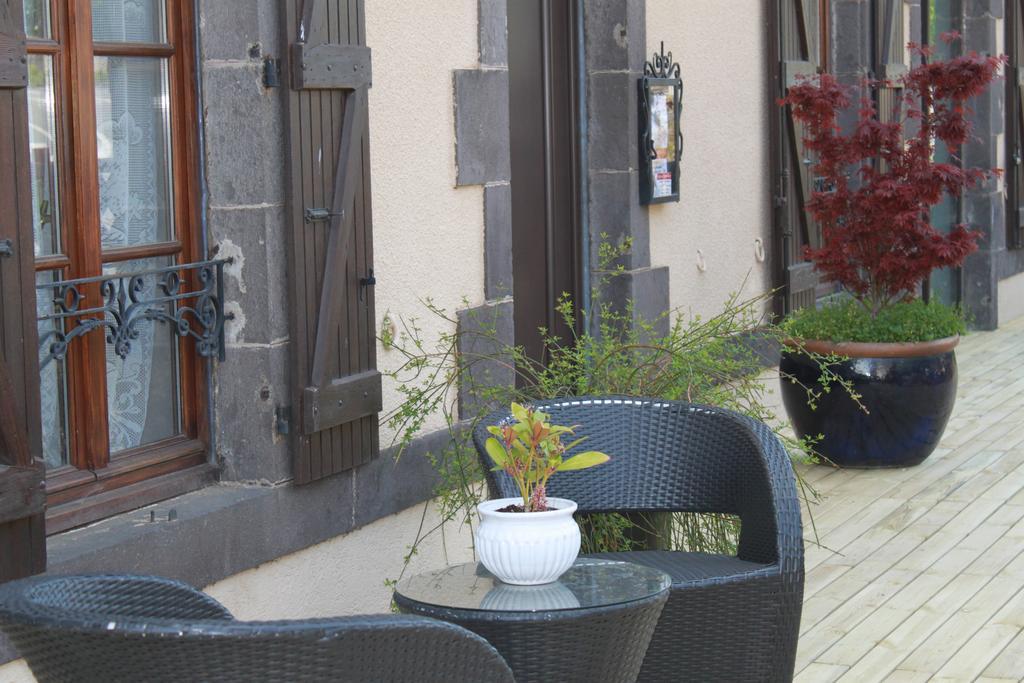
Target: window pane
[
  {"x": 143, "y": 400},
  {"x": 43, "y": 160},
  {"x": 133, "y": 145},
  {"x": 37, "y": 18},
  {"x": 53, "y": 386},
  {"x": 132, "y": 21}
]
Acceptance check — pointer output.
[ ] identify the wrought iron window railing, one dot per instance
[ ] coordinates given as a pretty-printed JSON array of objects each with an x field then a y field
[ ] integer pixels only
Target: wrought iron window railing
[{"x": 133, "y": 298}]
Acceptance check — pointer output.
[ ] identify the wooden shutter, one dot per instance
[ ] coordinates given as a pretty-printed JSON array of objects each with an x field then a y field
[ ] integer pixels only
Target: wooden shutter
[
  {"x": 22, "y": 497},
  {"x": 336, "y": 387},
  {"x": 1015, "y": 124},
  {"x": 799, "y": 52}
]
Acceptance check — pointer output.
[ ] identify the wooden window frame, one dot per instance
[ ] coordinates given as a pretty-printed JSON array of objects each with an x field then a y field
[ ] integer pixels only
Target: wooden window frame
[{"x": 92, "y": 470}]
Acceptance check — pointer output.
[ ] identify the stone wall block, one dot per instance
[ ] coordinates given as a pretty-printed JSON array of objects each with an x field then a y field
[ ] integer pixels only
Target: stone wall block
[
  {"x": 614, "y": 210},
  {"x": 255, "y": 283},
  {"x": 497, "y": 241},
  {"x": 851, "y": 48},
  {"x": 481, "y": 126},
  {"x": 609, "y": 34},
  {"x": 485, "y": 331},
  {"x": 251, "y": 383},
  {"x": 493, "y": 32},
  {"x": 647, "y": 290},
  {"x": 244, "y": 128},
  {"x": 386, "y": 484},
  {"x": 228, "y": 30},
  {"x": 983, "y": 8},
  {"x": 981, "y": 289},
  {"x": 612, "y": 110}
]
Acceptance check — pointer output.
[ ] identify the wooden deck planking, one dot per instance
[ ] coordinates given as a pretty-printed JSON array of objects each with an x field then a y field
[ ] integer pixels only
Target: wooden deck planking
[{"x": 918, "y": 574}]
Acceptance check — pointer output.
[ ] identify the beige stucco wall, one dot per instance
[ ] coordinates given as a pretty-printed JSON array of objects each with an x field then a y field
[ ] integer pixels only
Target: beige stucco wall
[
  {"x": 1011, "y": 299},
  {"x": 344, "y": 575},
  {"x": 724, "y": 175},
  {"x": 428, "y": 234},
  {"x": 16, "y": 672}
]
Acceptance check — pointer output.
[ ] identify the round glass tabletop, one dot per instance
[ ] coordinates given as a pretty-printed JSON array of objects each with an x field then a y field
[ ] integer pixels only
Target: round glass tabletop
[{"x": 589, "y": 583}]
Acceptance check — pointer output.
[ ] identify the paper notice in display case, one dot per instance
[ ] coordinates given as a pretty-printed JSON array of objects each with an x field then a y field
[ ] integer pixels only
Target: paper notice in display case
[
  {"x": 663, "y": 137},
  {"x": 662, "y": 178}
]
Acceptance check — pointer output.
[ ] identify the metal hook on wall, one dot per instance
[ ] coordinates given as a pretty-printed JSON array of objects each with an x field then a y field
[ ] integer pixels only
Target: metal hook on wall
[{"x": 759, "y": 254}]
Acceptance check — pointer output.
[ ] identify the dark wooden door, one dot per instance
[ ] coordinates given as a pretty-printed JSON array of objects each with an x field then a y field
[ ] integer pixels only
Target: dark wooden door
[
  {"x": 797, "y": 41},
  {"x": 545, "y": 167},
  {"x": 22, "y": 498}
]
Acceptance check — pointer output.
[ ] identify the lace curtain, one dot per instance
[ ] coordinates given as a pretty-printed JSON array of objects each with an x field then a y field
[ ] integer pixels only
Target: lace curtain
[{"x": 134, "y": 170}]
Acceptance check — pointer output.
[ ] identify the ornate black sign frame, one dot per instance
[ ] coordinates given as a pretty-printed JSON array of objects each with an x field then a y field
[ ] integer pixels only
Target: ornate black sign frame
[{"x": 661, "y": 138}]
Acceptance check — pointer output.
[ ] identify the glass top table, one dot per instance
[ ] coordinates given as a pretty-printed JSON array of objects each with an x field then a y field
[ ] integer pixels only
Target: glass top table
[
  {"x": 593, "y": 624},
  {"x": 588, "y": 583}
]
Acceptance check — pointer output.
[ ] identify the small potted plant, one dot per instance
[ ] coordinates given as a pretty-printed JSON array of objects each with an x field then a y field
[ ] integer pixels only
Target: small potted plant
[
  {"x": 893, "y": 351},
  {"x": 532, "y": 539}
]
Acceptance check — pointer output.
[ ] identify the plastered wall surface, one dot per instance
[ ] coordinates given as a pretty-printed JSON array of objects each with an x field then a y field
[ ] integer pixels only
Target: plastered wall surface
[
  {"x": 428, "y": 234},
  {"x": 344, "y": 575},
  {"x": 16, "y": 672},
  {"x": 1011, "y": 298},
  {"x": 725, "y": 170}
]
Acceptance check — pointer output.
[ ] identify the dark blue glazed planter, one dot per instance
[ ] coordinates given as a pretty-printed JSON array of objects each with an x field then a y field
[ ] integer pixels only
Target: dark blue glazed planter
[{"x": 909, "y": 399}]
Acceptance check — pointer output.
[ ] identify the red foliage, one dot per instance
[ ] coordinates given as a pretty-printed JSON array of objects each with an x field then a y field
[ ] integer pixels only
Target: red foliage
[{"x": 879, "y": 243}]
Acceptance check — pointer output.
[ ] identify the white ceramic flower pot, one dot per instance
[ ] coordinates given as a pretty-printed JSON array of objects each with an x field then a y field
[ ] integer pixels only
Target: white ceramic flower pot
[{"x": 527, "y": 548}]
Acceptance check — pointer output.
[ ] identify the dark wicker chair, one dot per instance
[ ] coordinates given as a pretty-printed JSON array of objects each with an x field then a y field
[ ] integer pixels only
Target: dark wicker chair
[
  {"x": 727, "y": 618},
  {"x": 135, "y": 628}
]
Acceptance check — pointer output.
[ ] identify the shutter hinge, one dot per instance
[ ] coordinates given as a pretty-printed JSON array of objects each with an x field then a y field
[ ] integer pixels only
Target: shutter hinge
[
  {"x": 283, "y": 416},
  {"x": 271, "y": 72},
  {"x": 6, "y": 248},
  {"x": 318, "y": 215}
]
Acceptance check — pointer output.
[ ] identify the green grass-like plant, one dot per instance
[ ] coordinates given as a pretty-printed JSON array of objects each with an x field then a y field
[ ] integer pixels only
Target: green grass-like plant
[{"x": 849, "y": 321}]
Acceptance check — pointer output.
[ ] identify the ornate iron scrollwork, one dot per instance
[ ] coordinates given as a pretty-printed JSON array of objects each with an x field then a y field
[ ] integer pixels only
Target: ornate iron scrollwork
[
  {"x": 661, "y": 65},
  {"x": 129, "y": 299},
  {"x": 661, "y": 136}
]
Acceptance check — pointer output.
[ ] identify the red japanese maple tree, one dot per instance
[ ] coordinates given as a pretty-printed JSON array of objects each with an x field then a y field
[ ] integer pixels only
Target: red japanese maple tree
[{"x": 882, "y": 178}]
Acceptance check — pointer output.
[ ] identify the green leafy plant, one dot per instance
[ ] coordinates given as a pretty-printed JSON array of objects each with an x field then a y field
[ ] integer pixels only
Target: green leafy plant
[
  {"x": 715, "y": 360},
  {"x": 849, "y": 321},
  {"x": 530, "y": 450}
]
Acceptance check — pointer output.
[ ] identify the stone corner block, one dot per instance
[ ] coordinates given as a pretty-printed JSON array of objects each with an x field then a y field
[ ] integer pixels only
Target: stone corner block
[
  {"x": 493, "y": 32},
  {"x": 248, "y": 445},
  {"x": 481, "y": 126},
  {"x": 615, "y": 33},
  {"x": 646, "y": 290},
  {"x": 615, "y": 213},
  {"x": 486, "y": 336},
  {"x": 612, "y": 121},
  {"x": 497, "y": 241}
]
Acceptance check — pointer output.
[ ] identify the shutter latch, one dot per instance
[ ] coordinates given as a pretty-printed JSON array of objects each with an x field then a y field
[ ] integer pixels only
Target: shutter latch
[
  {"x": 364, "y": 282},
  {"x": 6, "y": 248}
]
